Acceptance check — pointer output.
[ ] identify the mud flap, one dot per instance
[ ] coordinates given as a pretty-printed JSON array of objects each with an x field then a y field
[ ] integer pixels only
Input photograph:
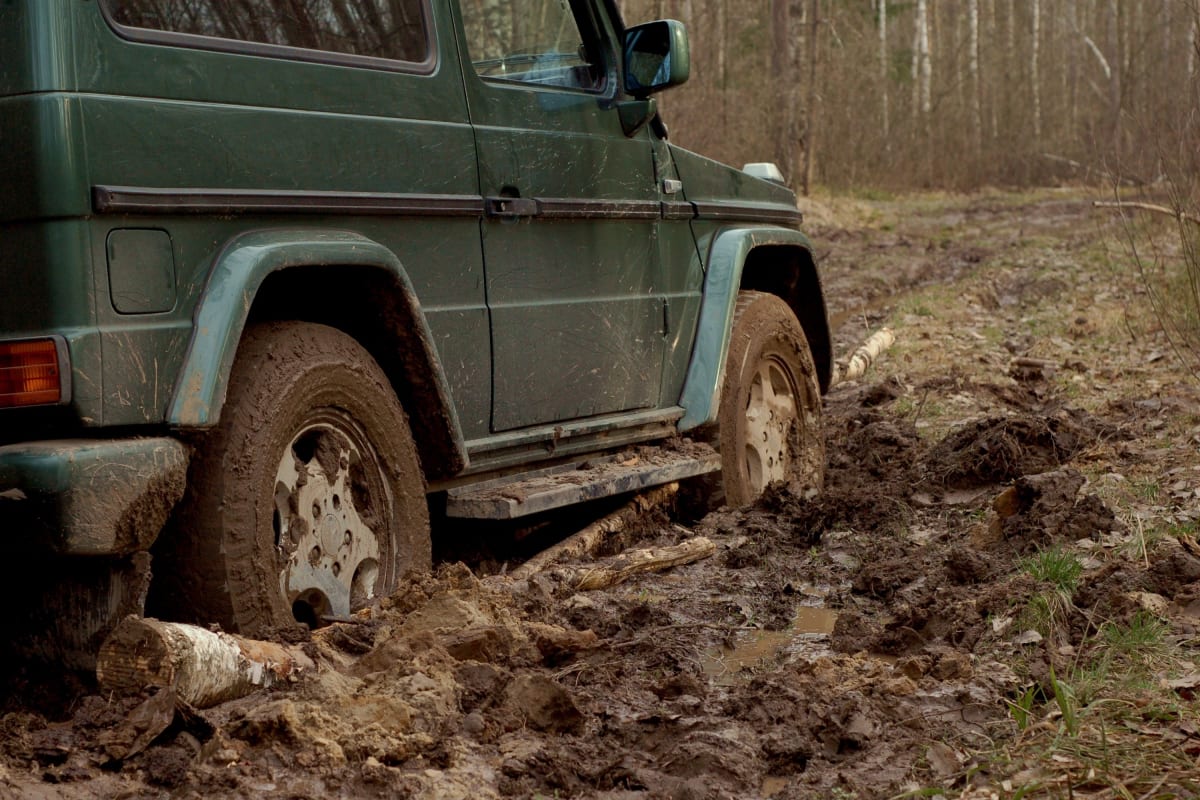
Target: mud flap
[{"x": 66, "y": 607}]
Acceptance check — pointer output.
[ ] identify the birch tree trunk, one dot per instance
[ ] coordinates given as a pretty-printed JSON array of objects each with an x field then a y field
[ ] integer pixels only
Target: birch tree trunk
[
  {"x": 973, "y": 70},
  {"x": 1034, "y": 77},
  {"x": 1193, "y": 48},
  {"x": 993, "y": 94},
  {"x": 926, "y": 64},
  {"x": 1073, "y": 35},
  {"x": 883, "y": 72}
]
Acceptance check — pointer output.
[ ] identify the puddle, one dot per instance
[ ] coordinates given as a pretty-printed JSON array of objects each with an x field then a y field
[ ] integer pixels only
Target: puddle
[{"x": 727, "y": 666}]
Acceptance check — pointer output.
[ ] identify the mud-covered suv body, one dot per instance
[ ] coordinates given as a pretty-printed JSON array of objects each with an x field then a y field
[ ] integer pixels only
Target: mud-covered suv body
[{"x": 511, "y": 238}]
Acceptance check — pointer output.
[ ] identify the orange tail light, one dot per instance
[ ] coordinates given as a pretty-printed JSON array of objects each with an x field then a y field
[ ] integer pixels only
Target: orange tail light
[{"x": 29, "y": 373}]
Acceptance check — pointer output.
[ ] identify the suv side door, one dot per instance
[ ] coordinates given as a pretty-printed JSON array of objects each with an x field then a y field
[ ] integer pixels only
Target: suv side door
[{"x": 570, "y": 246}]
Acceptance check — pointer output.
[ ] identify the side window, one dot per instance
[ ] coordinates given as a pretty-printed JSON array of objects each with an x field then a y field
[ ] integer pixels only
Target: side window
[
  {"x": 390, "y": 29},
  {"x": 531, "y": 41}
]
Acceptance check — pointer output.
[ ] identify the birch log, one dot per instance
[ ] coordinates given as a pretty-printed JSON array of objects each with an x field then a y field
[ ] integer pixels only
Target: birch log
[
  {"x": 205, "y": 668},
  {"x": 655, "y": 559},
  {"x": 586, "y": 541},
  {"x": 862, "y": 358}
]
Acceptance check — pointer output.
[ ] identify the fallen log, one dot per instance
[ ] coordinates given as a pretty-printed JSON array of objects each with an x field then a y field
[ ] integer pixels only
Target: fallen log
[
  {"x": 862, "y": 358},
  {"x": 587, "y": 541},
  {"x": 655, "y": 559},
  {"x": 204, "y": 668}
]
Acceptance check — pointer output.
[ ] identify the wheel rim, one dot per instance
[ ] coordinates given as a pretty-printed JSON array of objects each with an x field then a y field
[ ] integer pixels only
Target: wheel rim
[
  {"x": 330, "y": 493},
  {"x": 771, "y": 415}
]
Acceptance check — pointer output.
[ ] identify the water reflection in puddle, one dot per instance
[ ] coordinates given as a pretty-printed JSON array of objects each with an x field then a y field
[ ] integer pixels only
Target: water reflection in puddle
[{"x": 727, "y": 666}]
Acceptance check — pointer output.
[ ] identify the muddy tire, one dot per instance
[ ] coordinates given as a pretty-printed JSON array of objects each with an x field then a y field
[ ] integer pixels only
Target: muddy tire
[
  {"x": 307, "y": 500},
  {"x": 769, "y": 422}
]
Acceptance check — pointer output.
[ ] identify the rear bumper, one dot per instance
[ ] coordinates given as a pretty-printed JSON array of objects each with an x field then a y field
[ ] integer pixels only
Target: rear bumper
[{"x": 90, "y": 497}]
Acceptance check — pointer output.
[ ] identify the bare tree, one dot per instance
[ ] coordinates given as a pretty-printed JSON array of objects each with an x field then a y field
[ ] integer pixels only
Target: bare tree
[
  {"x": 1034, "y": 75},
  {"x": 973, "y": 69},
  {"x": 884, "y": 76},
  {"x": 814, "y": 60},
  {"x": 925, "y": 78}
]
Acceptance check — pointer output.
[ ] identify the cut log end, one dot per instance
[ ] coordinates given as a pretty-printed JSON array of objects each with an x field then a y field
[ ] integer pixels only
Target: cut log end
[
  {"x": 203, "y": 667},
  {"x": 134, "y": 657}
]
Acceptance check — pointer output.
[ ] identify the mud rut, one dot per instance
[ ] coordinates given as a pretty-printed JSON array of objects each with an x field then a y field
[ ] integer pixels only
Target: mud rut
[{"x": 859, "y": 644}]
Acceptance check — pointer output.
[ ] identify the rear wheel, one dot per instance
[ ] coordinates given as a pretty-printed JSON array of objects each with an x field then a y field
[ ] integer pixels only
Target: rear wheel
[
  {"x": 770, "y": 414},
  {"x": 307, "y": 501}
]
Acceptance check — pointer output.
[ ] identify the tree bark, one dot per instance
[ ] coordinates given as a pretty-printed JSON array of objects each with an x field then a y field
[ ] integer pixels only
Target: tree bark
[
  {"x": 1193, "y": 48},
  {"x": 923, "y": 55},
  {"x": 810, "y": 144},
  {"x": 1035, "y": 83},
  {"x": 203, "y": 667},
  {"x": 973, "y": 70},
  {"x": 863, "y": 357},
  {"x": 885, "y": 114},
  {"x": 655, "y": 559},
  {"x": 781, "y": 63},
  {"x": 1114, "y": 82},
  {"x": 587, "y": 541}
]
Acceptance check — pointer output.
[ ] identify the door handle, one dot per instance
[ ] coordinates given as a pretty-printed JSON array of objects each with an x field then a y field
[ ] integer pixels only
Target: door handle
[{"x": 509, "y": 207}]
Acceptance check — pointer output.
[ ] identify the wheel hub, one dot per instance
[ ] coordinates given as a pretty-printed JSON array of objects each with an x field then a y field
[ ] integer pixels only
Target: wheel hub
[
  {"x": 771, "y": 415},
  {"x": 329, "y": 552}
]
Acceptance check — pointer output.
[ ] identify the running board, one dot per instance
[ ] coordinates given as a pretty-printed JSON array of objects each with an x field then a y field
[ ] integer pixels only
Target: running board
[{"x": 567, "y": 484}]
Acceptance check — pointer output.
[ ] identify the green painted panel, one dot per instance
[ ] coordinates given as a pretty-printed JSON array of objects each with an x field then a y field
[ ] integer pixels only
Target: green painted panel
[
  {"x": 43, "y": 166},
  {"x": 36, "y": 46}
]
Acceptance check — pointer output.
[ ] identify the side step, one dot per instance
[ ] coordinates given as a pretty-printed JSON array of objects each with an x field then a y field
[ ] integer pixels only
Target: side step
[{"x": 542, "y": 490}]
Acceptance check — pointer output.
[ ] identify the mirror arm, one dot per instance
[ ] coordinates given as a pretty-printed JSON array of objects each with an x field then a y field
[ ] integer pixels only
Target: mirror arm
[{"x": 635, "y": 114}]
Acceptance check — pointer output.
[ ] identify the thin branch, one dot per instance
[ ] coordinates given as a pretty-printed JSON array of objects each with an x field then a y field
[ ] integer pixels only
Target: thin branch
[{"x": 1170, "y": 212}]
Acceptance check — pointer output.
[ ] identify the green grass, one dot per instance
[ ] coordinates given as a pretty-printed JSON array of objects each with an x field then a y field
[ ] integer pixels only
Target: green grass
[
  {"x": 1058, "y": 570},
  {"x": 1056, "y": 566}
]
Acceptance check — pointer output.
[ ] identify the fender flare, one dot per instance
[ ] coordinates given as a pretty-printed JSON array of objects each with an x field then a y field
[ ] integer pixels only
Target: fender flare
[
  {"x": 727, "y": 255},
  {"x": 224, "y": 306}
]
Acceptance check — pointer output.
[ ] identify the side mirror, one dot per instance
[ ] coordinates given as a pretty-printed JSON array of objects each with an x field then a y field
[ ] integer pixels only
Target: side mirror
[{"x": 656, "y": 57}]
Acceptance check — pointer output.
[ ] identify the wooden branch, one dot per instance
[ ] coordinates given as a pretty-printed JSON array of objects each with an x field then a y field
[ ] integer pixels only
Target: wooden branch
[
  {"x": 585, "y": 542},
  {"x": 655, "y": 559},
  {"x": 1170, "y": 212},
  {"x": 203, "y": 667},
  {"x": 862, "y": 358}
]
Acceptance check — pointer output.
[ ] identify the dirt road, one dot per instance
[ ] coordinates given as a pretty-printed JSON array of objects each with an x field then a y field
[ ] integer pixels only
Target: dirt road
[{"x": 997, "y": 595}]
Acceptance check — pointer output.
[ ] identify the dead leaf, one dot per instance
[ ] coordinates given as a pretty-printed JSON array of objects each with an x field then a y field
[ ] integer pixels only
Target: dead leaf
[
  {"x": 143, "y": 725},
  {"x": 944, "y": 759},
  {"x": 1027, "y": 638}
]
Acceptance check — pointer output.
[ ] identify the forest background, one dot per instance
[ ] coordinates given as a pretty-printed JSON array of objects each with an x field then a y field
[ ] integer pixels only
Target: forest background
[{"x": 953, "y": 94}]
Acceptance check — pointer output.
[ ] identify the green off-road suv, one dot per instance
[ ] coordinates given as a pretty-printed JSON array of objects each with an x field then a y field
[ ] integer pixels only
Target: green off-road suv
[{"x": 281, "y": 276}]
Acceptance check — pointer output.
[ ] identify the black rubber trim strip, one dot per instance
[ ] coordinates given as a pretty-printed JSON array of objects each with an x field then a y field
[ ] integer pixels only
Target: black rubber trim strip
[
  {"x": 138, "y": 200},
  {"x": 740, "y": 213}
]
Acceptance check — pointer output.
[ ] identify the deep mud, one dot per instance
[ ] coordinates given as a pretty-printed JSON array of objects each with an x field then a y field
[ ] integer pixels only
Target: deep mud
[{"x": 861, "y": 643}]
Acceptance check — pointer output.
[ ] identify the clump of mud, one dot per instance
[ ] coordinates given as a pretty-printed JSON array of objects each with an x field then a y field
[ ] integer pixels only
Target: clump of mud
[{"x": 1000, "y": 449}]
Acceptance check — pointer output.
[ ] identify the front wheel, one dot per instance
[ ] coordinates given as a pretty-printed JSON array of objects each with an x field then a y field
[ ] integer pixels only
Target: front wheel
[
  {"x": 307, "y": 501},
  {"x": 770, "y": 413}
]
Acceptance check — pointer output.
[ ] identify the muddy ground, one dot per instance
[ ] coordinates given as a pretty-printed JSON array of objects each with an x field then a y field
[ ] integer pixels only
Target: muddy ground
[{"x": 870, "y": 642}]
